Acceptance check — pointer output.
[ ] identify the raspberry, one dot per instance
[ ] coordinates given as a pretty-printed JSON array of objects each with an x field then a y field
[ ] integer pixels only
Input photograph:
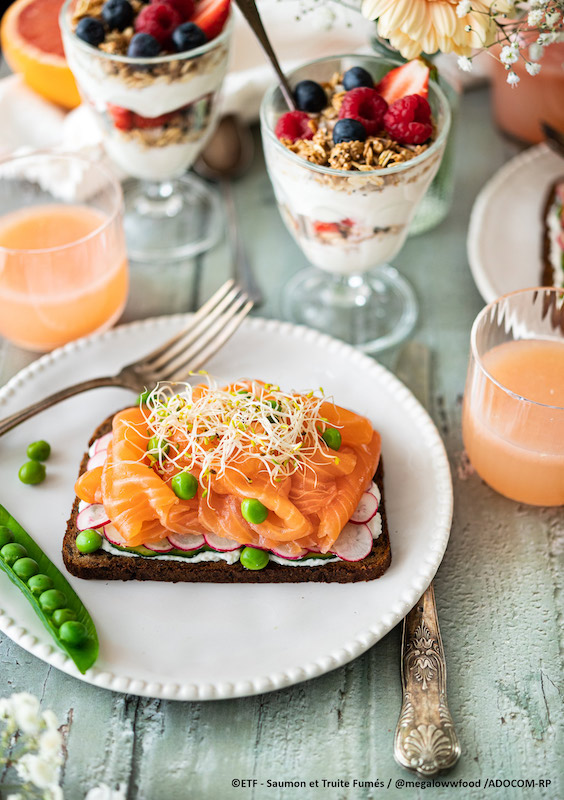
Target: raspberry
[
  {"x": 293, "y": 125},
  {"x": 366, "y": 106},
  {"x": 158, "y": 20},
  {"x": 408, "y": 120},
  {"x": 184, "y": 7},
  {"x": 122, "y": 117}
]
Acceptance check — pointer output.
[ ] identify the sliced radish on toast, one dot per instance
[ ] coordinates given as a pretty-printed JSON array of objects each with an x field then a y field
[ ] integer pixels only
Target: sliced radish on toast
[
  {"x": 97, "y": 460},
  {"x": 93, "y": 516},
  {"x": 220, "y": 543},
  {"x": 113, "y": 537},
  {"x": 354, "y": 542},
  {"x": 186, "y": 541},
  {"x": 282, "y": 550},
  {"x": 366, "y": 509},
  {"x": 162, "y": 546},
  {"x": 103, "y": 442}
]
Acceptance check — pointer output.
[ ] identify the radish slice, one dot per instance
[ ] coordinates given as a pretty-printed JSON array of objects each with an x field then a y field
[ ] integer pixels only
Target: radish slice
[
  {"x": 220, "y": 543},
  {"x": 97, "y": 460},
  {"x": 366, "y": 509},
  {"x": 162, "y": 546},
  {"x": 103, "y": 442},
  {"x": 113, "y": 537},
  {"x": 282, "y": 550},
  {"x": 186, "y": 541},
  {"x": 93, "y": 516},
  {"x": 354, "y": 542}
]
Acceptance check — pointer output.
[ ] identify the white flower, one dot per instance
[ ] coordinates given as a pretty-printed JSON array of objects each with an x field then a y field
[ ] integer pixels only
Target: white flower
[
  {"x": 55, "y": 793},
  {"x": 5, "y": 708},
  {"x": 465, "y": 64},
  {"x": 15, "y": 797},
  {"x": 547, "y": 38},
  {"x": 463, "y": 8},
  {"x": 533, "y": 68},
  {"x": 509, "y": 54},
  {"x": 552, "y": 18},
  {"x": 42, "y": 772},
  {"x": 512, "y": 78},
  {"x": 536, "y": 52},
  {"x": 534, "y": 17},
  {"x": 103, "y": 792},
  {"x": 26, "y": 712},
  {"x": 50, "y": 720},
  {"x": 50, "y": 744}
]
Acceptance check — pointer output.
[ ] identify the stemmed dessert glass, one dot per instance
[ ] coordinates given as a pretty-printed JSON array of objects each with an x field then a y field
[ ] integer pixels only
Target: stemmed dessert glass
[
  {"x": 156, "y": 115},
  {"x": 350, "y": 224}
]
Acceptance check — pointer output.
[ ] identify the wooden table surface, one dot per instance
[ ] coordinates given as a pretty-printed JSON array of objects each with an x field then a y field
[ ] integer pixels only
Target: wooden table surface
[{"x": 499, "y": 593}]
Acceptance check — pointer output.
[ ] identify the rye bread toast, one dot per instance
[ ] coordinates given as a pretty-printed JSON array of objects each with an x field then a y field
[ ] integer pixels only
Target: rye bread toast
[{"x": 102, "y": 565}]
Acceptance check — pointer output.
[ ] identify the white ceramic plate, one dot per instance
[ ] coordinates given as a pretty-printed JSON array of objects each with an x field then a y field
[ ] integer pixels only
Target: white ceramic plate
[
  {"x": 202, "y": 641},
  {"x": 505, "y": 233}
]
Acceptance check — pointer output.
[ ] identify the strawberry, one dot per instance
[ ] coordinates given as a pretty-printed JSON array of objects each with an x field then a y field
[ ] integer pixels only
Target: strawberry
[
  {"x": 326, "y": 227},
  {"x": 152, "y": 122},
  {"x": 122, "y": 117},
  {"x": 294, "y": 125},
  {"x": 211, "y": 16},
  {"x": 410, "y": 78}
]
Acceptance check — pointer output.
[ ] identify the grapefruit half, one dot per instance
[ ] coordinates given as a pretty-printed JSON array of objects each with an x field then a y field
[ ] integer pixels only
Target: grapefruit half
[{"x": 32, "y": 46}]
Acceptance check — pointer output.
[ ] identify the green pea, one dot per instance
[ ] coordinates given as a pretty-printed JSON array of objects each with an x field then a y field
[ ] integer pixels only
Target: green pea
[
  {"x": 254, "y": 511},
  {"x": 39, "y": 584},
  {"x": 51, "y": 600},
  {"x": 251, "y": 558},
  {"x": 62, "y": 615},
  {"x": 26, "y": 568},
  {"x": 184, "y": 485},
  {"x": 6, "y": 536},
  {"x": 32, "y": 472},
  {"x": 157, "y": 446},
  {"x": 39, "y": 451},
  {"x": 11, "y": 552},
  {"x": 88, "y": 541},
  {"x": 143, "y": 397},
  {"x": 73, "y": 633},
  {"x": 332, "y": 438}
]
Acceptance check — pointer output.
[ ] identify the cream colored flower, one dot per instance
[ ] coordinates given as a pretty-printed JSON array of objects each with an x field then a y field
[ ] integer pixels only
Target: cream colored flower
[{"x": 425, "y": 26}]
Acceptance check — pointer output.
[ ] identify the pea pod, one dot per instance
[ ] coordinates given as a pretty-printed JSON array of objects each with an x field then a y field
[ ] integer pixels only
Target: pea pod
[{"x": 84, "y": 653}]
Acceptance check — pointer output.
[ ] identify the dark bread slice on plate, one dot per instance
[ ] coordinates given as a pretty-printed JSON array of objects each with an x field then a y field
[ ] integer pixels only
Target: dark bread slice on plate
[
  {"x": 548, "y": 277},
  {"x": 102, "y": 565}
]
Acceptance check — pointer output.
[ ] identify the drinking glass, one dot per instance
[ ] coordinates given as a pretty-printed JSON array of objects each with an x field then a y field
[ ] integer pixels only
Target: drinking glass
[
  {"x": 156, "y": 116},
  {"x": 513, "y": 409},
  {"x": 63, "y": 267},
  {"x": 350, "y": 224}
]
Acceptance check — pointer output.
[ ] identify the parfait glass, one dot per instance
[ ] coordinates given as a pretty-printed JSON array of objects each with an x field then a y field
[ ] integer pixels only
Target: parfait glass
[
  {"x": 350, "y": 224},
  {"x": 156, "y": 116}
]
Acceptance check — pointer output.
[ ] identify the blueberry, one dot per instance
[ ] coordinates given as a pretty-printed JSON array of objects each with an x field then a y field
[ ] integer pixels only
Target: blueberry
[
  {"x": 117, "y": 14},
  {"x": 355, "y": 77},
  {"x": 188, "y": 36},
  {"x": 310, "y": 96},
  {"x": 91, "y": 31},
  {"x": 143, "y": 45},
  {"x": 349, "y": 130}
]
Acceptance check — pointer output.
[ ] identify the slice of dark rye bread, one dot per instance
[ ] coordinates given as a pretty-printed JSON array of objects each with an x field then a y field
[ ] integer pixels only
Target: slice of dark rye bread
[
  {"x": 105, "y": 566},
  {"x": 548, "y": 276}
]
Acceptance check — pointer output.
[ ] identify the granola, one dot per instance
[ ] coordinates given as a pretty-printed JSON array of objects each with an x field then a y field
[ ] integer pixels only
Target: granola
[{"x": 377, "y": 152}]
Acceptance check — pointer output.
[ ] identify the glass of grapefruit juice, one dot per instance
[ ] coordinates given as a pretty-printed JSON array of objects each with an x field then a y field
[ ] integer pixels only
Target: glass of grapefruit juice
[
  {"x": 513, "y": 409},
  {"x": 63, "y": 267}
]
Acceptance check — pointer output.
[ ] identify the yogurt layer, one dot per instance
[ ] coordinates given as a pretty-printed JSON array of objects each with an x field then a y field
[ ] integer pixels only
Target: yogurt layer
[{"x": 151, "y": 163}]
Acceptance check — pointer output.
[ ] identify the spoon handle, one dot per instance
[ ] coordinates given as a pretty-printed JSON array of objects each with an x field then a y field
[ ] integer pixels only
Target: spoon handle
[
  {"x": 250, "y": 11},
  {"x": 242, "y": 270}
]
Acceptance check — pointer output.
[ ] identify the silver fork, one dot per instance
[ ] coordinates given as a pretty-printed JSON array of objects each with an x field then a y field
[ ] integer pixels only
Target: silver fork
[{"x": 208, "y": 330}]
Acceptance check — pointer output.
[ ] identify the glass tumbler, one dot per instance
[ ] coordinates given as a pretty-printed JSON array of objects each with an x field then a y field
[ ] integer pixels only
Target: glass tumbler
[
  {"x": 350, "y": 224},
  {"x": 63, "y": 267},
  {"x": 156, "y": 115},
  {"x": 513, "y": 409}
]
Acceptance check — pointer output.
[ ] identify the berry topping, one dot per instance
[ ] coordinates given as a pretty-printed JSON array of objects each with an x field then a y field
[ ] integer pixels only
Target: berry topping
[
  {"x": 408, "y": 120},
  {"x": 143, "y": 45},
  {"x": 184, "y": 7},
  {"x": 349, "y": 130},
  {"x": 91, "y": 31},
  {"x": 410, "y": 78},
  {"x": 117, "y": 14},
  {"x": 188, "y": 36},
  {"x": 293, "y": 125},
  {"x": 355, "y": 77},
  {"x": 310, "y": 96},
  {"x": 122, "y": 117},
  {"x": 152, "y": 122},
  {"x": 211, "y": 16},
  {"x": 366, "y": 106},
  {"x": 158, "y": 20}
]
